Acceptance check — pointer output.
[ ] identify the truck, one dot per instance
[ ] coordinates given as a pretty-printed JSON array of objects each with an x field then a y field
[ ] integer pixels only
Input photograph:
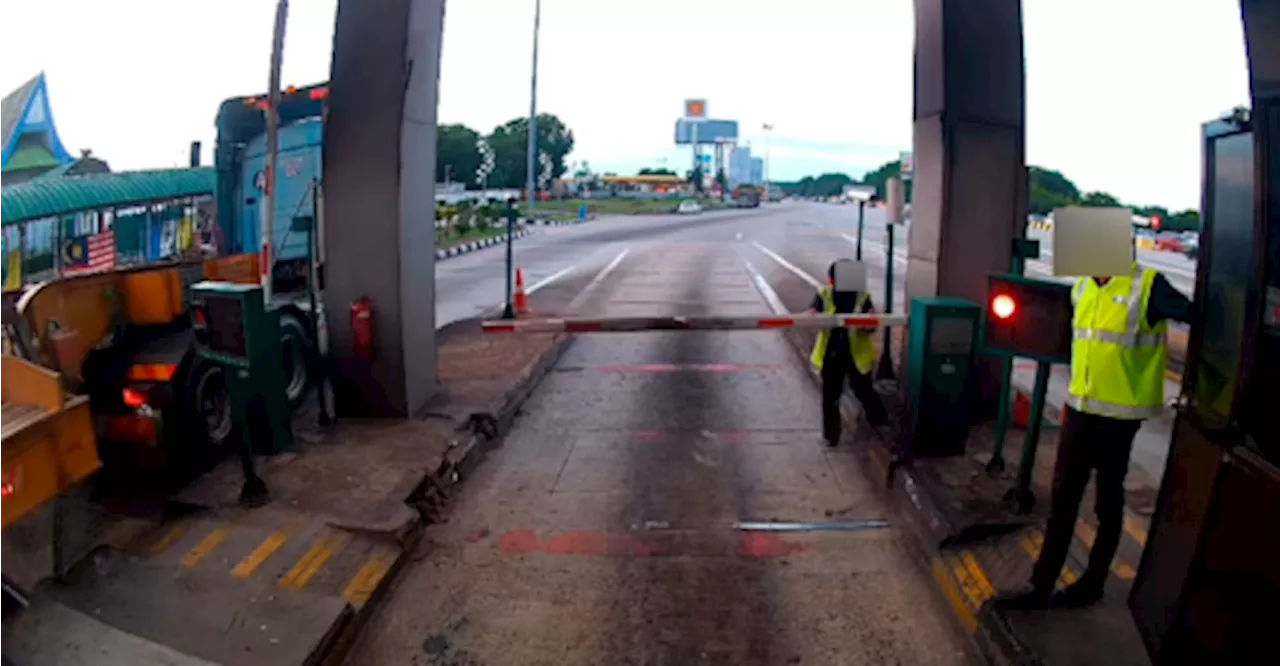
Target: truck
[
  {"x": 746, "y": 196},
  {"x": 125, "y": 338}
]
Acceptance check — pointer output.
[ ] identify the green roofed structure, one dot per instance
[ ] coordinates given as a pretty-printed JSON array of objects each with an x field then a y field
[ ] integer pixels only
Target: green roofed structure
[{"x": 31, "y": 147}]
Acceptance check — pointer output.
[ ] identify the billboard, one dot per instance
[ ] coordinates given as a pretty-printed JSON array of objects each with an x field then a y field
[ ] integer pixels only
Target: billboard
[
  {"x": 695, "y": 108},
  {"x": 709, "y": 131}
]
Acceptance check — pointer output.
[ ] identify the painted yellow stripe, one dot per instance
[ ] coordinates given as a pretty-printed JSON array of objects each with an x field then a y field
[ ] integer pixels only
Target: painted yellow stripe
[
  {"x": 258, "y": 555},
  {"x": 948, "y": 585},
  {"x": 1032, "y": 545},
  {"x": 207, "y": 545},
  {"x": 967, "y": 585},
  {"x": 366, "y": 581},
  {"x": 1135, "y": 529},
  {"x": 171, "y": 537},
  {"x": 311, "y": 562},
  {"x": 1119, "y": 567},
  {"x": 979, "y": 576}
]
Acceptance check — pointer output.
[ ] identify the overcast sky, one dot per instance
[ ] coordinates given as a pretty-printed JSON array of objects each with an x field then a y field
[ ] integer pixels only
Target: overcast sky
[{"x": 1116, "y": 89}]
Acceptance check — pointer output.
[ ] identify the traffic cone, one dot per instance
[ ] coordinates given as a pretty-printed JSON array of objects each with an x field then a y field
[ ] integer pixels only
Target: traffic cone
[{"x": 521, "y": 299}]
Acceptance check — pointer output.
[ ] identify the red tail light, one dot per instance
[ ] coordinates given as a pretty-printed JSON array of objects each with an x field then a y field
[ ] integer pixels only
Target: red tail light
[{"x": 133, "y": 399}]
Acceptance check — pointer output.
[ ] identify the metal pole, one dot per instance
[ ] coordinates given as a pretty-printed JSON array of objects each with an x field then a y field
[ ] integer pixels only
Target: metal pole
[
  {"x": 532, "y": 158},
  {"x": 266, "y": 260},
  {"x": 509, "y": 310},
  {"x": 996, "y": 464},
  {"x": 1021, "y": 495},
  {"x": 885, "y": 370},
  {"x": 862, "y": 210}
]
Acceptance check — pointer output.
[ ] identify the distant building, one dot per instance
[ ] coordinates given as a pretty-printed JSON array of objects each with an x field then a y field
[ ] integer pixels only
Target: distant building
[
  {"x": 744, "y": 168},
  {"x": 32, "y": 148}
]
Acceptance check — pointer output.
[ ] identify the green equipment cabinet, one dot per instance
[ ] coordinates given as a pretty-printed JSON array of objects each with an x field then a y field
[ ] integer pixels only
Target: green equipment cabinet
[
  {"x": 237, "y": 331},
  {"x": 941, "y": 378}
]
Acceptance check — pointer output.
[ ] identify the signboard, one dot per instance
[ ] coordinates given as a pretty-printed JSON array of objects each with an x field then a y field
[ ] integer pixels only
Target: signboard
[
  {"x": 908, "y": 164},
  {"x": 695, "y": 108},
  {"x": 708, "y": 132}
]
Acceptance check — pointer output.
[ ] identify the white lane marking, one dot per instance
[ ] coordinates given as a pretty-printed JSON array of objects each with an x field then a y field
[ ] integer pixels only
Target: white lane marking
[
  {"x": 762, "y": 285},
  {"x": 546, "y": 281},
  {"x": 788, "y": 265},
  {"x": 595, "y": 281}
]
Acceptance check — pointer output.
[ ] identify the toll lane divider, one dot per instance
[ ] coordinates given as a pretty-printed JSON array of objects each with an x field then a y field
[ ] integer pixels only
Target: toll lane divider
[{"x": 694, "y": 323}]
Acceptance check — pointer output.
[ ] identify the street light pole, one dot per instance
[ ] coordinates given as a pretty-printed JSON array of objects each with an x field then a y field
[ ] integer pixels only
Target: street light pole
[
  {"x": 767, "y": 129},
  {"x": 532, "y": 158}
]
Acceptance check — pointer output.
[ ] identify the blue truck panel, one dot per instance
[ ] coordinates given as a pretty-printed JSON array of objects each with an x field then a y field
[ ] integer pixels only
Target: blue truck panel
[{"x": 299, "y": 170}]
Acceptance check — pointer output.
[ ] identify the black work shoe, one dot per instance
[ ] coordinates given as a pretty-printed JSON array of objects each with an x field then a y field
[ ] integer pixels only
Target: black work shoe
[
  {"x": 1077, "y": 595},
  {"x": 1029, "y": 598}
]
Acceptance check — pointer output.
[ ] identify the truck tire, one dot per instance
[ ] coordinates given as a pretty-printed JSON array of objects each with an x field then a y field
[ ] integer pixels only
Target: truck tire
[
  {"x": 208, "y": 405},
  {"x": 299, "y": 357}
]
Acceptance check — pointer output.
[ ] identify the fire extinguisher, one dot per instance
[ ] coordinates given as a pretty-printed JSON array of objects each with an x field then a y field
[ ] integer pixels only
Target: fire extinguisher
[{"x": 362, "y": 327}]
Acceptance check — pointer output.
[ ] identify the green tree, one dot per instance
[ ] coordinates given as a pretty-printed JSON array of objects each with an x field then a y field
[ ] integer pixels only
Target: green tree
[
  {"x": 1187, "y": 220},
  {"x": 656, "y": 172},
  {"x": 457, "y": 157},
  {"x": 722, "y": 181},
  {"x": 1047, "y": 190},
  {"x": 695, "y": 178},
  {"x": 880, "y": 177},
  {"x": 1099, "y": 199},
  {"x": 510, "y": 143},
  {"x": 826, "y": 185}
]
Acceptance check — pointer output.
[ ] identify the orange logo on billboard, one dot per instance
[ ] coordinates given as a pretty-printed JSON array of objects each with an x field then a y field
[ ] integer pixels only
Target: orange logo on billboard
[{"x": 695, "y": 108}]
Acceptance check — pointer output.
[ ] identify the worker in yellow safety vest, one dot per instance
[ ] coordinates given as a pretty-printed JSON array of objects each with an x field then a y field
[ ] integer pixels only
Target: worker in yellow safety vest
[
  {"x": 841, "y": 355},
  {"x": 1118, "y": 358}
]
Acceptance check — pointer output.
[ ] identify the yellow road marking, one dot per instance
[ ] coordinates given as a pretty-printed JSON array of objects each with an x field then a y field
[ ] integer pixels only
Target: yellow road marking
[
  {"x": 979, "y": 576},
  {"x": 953, "y": 595},
  {"x": 967, "y": 585},
  {"x": 878, "y": 460},
  {"x": 1135, "y": 529},
  {"x": 171, "y": 537},
  {"x": 1121, "y": 568},
  {"x": 1033, "y": 543},
  {"x": 315, "y": 557},
  {"x": 264, "y": 550},
  {"x": 206, "y": 545},
  {"x": 366, "y": 581}
]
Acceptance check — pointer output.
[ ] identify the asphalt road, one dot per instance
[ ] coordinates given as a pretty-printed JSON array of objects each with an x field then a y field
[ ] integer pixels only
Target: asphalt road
[{"x": 602, "y": 530}]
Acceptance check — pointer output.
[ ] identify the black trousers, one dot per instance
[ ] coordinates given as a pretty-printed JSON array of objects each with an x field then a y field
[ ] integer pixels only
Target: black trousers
[
  {"x": 1088, "y": 442},
  {"x": 838, "y": 368}
]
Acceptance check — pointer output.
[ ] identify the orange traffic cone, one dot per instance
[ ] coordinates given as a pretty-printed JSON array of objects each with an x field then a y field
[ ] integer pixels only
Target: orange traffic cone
[{"x": 521, "y": 299}]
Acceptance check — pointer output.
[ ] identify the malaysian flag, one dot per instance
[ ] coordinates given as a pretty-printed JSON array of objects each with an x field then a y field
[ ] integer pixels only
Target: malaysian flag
[{"x": 89, "y": 254}]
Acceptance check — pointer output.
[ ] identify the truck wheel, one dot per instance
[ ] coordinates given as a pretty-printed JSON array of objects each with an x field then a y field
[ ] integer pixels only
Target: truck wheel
[
  {"x": 299, "y": 357},
  {"x": 209, "y": 404}
]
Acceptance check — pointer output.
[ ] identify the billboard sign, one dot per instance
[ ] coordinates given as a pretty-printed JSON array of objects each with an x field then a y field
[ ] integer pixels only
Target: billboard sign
[
  {"x": 708, "y": 131},
  {"x": 908, "y": 164},
  {"x": 695, "y": 108}
]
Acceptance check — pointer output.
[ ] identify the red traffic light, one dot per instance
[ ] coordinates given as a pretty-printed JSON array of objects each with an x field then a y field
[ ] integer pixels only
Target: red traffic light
[{"x": 1003, "y": 306}]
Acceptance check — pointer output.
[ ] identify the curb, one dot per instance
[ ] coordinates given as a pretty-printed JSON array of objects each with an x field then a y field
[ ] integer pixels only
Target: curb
[
  {"x": 467, "y": 248},
  {"x": 481, "y": 432},
  {"x": 956, "y": 575}
]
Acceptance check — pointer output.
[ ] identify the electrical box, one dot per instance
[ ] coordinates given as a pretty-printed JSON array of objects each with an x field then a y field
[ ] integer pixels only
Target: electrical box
[
  {"x": 235, "y": 330},
  {"x": 1029, "y": 318},
  {"x": 941, "y": 378}
]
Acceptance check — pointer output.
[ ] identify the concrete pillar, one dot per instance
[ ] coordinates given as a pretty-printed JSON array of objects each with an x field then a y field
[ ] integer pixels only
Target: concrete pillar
[
  {"x": 969, "y": 190},
  {"x": 379, "y": 176}
]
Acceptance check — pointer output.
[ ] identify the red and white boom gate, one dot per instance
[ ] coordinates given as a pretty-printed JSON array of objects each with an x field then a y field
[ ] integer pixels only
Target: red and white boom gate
[{"x": 867, "y": 322}]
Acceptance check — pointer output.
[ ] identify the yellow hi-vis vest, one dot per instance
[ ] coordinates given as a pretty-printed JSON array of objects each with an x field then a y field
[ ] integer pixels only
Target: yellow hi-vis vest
[
  {"x": 860, "y": 342},
  {"x": 1117, "y": 358}
]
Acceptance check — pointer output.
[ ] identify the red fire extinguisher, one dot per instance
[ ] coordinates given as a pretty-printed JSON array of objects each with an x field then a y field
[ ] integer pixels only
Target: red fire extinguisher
[{"x": 362, "y": 327}]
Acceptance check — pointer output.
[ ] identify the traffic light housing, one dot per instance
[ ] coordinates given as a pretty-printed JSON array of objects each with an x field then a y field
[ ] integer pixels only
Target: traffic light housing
[{"x": 1029, "y": 318}]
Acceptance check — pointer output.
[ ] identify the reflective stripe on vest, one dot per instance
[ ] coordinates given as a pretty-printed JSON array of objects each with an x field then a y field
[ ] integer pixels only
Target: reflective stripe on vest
[
  {"x": 861, "y": 344},
  {"x": 1117, "y": 359}
]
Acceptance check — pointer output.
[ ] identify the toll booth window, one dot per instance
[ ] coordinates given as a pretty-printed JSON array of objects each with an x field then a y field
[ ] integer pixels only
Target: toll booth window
[
  {"x": 1228, "y": 281},
  {"x": 225, "y": 324},
  {"x": 1259, "y": 420},
  {"x": 951, "y": 336}
]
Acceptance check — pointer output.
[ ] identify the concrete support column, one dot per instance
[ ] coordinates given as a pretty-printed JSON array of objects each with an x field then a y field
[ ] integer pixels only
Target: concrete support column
[
  {"x": 379, "y": 176},
  {"x": 969, "y": 190}
]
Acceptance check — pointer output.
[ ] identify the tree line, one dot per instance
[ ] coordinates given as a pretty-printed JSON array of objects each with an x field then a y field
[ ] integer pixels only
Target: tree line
[
  {"x": 461, "y": 152},
  {"x": 1048, "y": 189}
]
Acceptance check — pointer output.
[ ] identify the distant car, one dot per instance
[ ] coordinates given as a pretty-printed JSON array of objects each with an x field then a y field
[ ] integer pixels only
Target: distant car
[{"x": 689, "y": 207}]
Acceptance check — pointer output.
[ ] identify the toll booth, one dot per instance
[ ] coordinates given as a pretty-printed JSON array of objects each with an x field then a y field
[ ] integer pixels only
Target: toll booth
[{"x": 1208, "y": 588}]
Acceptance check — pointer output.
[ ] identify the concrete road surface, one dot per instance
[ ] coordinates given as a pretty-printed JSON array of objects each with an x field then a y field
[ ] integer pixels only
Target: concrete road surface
[
  {"x": 475, "y": 283},
  {"x": 602, "y": 530}
]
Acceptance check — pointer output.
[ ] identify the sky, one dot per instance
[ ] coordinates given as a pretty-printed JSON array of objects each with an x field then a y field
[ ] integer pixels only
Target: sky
[{"x": 1116, "y": 89}]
